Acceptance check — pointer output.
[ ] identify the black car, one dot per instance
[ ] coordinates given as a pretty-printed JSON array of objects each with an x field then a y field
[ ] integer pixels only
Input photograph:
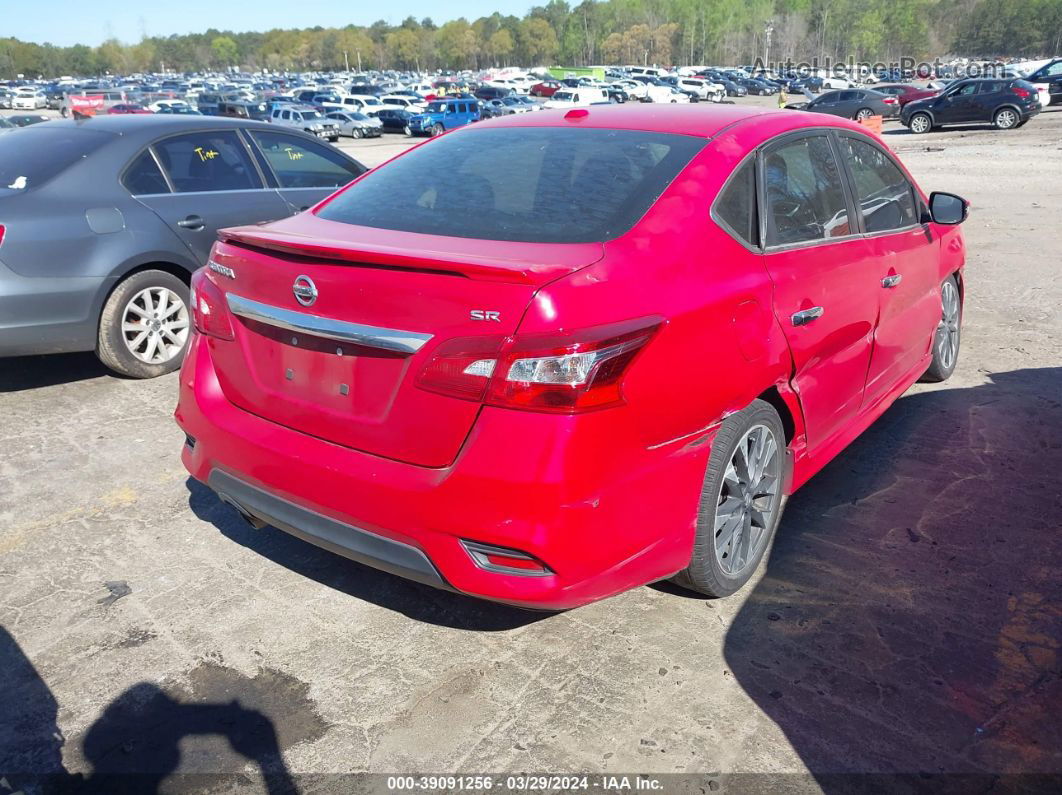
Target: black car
[
  {"x": 106, "y": 218},
  {"x": 757, "y": 87},
  {"x": 492, "y": 92},
  {"x": 395, "y": 120},
  {"x": 854, "y": 103},
  {"x": 1005, "y": 103},
  {"x": 1050, "y": 74},
  {"x": 244, "y": 110}
]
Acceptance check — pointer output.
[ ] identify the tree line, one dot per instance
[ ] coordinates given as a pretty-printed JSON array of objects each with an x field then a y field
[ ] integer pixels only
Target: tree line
[{"x": 662, "y": 32}]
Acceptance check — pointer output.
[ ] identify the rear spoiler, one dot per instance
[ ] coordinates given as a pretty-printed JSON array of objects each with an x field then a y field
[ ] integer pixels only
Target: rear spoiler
[{"x": 491, "y": 265}]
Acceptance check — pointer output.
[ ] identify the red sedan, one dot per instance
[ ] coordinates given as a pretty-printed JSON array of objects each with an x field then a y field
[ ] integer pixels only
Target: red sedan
[
  {"x": 127, "y": 107},
  {"x": 603, "y": 365},
  {"x": 905, "y": 93},
  {"x": 547, "y": 88}
]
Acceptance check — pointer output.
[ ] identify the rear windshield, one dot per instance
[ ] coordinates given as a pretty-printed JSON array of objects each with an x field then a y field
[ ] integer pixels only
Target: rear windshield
[
  {"x": 31, "y": 156},
  {"x": 547, "y": 185}
]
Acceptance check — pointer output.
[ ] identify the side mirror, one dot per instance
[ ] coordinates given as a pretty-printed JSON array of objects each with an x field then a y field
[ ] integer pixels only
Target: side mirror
[{"x": 947, "y": 208}]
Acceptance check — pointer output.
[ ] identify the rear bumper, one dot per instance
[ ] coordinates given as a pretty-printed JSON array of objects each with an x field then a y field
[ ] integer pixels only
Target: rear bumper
[{"x": 603, "y": 520}]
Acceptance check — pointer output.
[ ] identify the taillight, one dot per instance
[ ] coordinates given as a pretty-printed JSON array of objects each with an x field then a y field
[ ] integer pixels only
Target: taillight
[
  {"x": 209, "y": 312},
  {"x": 563, "y": 373},
  {"x": 3, "y": 230},
  {"x": 889, "y": 100},
  {"x": 1021, "y": 92}
]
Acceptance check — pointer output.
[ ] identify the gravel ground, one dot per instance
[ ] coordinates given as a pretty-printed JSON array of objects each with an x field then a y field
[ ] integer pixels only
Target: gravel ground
[{"x": 907, "y": 622}]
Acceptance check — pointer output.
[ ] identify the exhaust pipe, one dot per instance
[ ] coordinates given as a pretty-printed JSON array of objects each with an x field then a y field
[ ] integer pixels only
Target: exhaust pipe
[{"x": 252, "y": 520}]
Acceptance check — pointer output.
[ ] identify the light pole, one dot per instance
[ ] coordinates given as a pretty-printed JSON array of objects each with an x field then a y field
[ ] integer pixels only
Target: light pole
[{"x": 767, "y": 31}]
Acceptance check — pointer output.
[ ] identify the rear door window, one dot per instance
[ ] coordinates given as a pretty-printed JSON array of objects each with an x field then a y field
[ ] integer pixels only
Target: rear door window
[
  {"x": 886, "y": 198},
  {"x": 207, "y": 161},
  {"x": 549, "y": 185},
  {"x": 143, "y": 176},
  {"x": 299, "y": 163},
  {"x": 805, "y": 197}
]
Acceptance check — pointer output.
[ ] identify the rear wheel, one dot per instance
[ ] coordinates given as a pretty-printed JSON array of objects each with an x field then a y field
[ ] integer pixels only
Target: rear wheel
[
  {"x": 1006, "y": 119},
  {"x": 145, "y": 324},
  {"x": 741, "y": 501},
  {"x": 863, "y": 113},
  {"x": 947, "y": 335},
  {"x": 406, "y": 131},
  {"x": 920, "y": 123}
]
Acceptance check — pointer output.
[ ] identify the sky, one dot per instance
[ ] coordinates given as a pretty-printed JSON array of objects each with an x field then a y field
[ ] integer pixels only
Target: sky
[{"x": 66, "y": 22}]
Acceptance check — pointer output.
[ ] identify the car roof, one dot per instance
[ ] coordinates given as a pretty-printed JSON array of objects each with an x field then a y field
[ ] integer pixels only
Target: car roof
[
  {"x": 693, "y": 119},
  {"x": 151, "y": 125}
]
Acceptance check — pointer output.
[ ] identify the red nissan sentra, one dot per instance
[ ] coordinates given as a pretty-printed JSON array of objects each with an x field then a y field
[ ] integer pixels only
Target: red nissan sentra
[{"x": 554, "y": 356}]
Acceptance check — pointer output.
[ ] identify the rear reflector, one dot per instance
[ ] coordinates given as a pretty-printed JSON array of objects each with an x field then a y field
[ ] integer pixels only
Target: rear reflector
[{"x": 505, "y": 561}]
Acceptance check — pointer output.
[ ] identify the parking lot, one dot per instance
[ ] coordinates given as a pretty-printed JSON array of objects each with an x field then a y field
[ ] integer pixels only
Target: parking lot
[{"x": 907, "y": 621}]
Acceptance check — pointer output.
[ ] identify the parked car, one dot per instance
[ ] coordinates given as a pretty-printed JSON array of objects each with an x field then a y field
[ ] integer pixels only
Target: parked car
[
  {"x": 757, "y": 87},
  {"x": 545, "y": 404},
  {"x": 858, "y": 104},
  {"x": 127, "y": 108},
  {"x": 393, "y": 120},
  {"x": 1006, "y": 104},
  {"x": 576, "y": 97},
  {"x": 547, "y": 88},
  {"x": 26, "y": 119},
  {"x": 443, "y": 115},
  {"x": 1050, "y": 75},
  {"x": 412, "y": 104},
  {"x": 258, "y": 111},
  {"x": 305, "y": 119},
  {"x": 28, "y": 99},
  {"x": 356, "y": 125},
  {"x": 490, "y": 108},
  {"x": 138, "y": 202},
  {"x": 703, "y": 90},
  {"x": 492, "y": 92},
  {"x": 906, "y": 92},
  {"x": 178, "y": 110}
]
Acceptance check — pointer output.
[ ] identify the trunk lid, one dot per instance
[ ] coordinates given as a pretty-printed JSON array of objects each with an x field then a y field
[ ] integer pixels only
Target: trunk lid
[{"x": 343, "y": 367}]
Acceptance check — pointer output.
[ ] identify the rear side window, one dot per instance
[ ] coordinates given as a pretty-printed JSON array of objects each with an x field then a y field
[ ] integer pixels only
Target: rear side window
[
  {"x": 736, "y": 206},
  {"x": 207, "y": 161},
  {"x": 299, "y": 163},
  {"x": 31, "y": 156},
  {"x": 805, "y": 200},
  {"x": 143, "y": 176},
  {"x": 548, "y": 185},
  {"x": 886, "y": 198},
  {"x": 991, "y": 87}
]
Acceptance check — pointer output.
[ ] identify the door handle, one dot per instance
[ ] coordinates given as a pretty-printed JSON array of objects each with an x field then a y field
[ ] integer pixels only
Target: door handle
[
  {"x": 892, "y": 280},
  {"x": 193, "y": 222},
  {"x": 805, "y": 316}
]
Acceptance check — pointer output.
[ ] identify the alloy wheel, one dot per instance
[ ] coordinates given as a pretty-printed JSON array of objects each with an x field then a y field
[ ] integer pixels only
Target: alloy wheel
[
  {"x": 748, "y": 500},
  {"x": 1006, "y": 119},
  {"x": 919, "y": 123},
  {"x": 155, "y": 325},
  {"x": 947, "y": 340},
  {"x": 864, "y": 113}
]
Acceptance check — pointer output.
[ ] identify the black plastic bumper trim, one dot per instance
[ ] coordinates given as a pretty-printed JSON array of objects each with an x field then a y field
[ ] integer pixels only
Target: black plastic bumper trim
[{"x": 343, "y": 539}]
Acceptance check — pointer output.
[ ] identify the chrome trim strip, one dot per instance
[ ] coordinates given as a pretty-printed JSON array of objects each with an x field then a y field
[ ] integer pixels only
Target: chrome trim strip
[{"x": 369, "y": 336}]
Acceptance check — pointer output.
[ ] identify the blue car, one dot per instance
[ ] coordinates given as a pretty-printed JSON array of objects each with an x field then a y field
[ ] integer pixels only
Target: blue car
[{"x": 443, "y": 115}]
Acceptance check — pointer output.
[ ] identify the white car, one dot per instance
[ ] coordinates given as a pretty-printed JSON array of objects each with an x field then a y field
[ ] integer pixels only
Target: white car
[
  {"x": 28, "y": 99},
  {"x": 156, "y": 107},
  {"x": 704, "y": 90},
  {"x": 362, "y": 103},
  {"x": 404, "y": 101},
  {"x": 834, "y": 82},
  {"x": 311, "y": 121},
  {"x": 576, "y": 98}
]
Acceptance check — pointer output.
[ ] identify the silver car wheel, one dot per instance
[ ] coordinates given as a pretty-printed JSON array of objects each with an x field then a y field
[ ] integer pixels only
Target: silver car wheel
[
  {"x": 1006, "y": 119},
  {"x": 748, "y": 500},
  {"x": 920, "y": 123},
  {"x": 155, "y": 325},
  {"x": 947, "y": 341}
]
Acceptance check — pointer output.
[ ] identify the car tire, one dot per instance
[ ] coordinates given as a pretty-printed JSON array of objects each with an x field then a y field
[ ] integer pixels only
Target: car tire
[
  {"x": 152, "y": 351},
  {"x": 863, "y": 113},
  {"x": 947, "y": 336},
  {"x": 1006, "y": 119},
  {"x": 920, "y": 123},
  {"x": 356, "y": 132},
  {"x": 407, "y": 132},
  {"x": 437, "y": 129},
  {"x": 735, "y": 527}
]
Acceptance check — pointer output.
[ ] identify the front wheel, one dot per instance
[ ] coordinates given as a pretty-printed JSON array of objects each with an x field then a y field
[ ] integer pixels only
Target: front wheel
[
  {"x": 145, "y": 324},
  {"x": 920, "y": 123},
  {"x": 741, "y": 501},
  {"x": 356, "y": 132},
  {"x": 1006, "y": 119},
  {"x": 437, "y": 129},
  {"x": 407, "y": 132},
  {"x": 947, "y": 335}
]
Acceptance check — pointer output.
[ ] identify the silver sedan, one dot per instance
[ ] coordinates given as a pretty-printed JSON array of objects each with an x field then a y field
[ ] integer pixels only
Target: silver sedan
[{"x": 356, "y": 125}]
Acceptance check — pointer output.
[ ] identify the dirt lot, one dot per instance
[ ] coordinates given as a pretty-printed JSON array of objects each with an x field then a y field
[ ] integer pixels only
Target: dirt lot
[{"x": 908, "y": 620}]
